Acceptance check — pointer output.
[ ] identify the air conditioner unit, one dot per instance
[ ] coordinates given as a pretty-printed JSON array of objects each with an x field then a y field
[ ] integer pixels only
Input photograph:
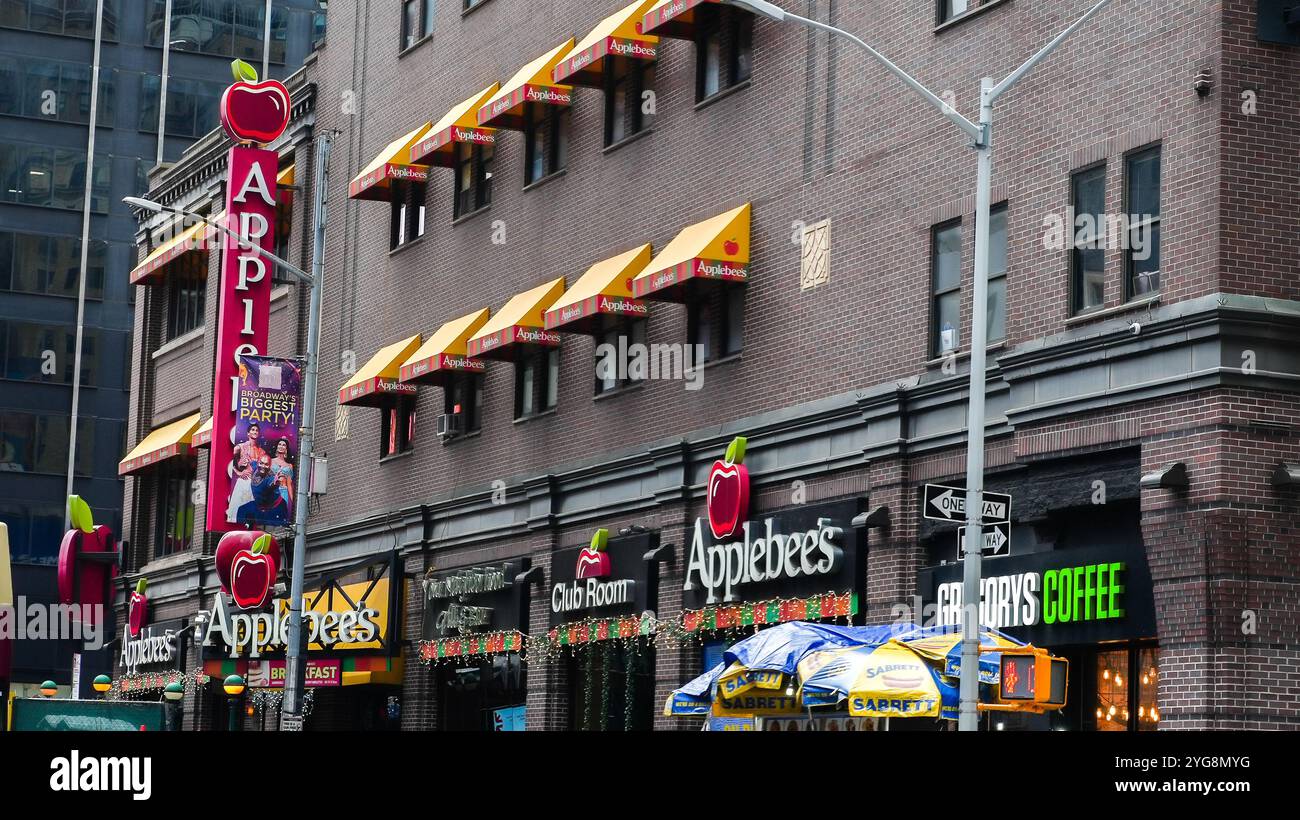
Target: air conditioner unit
[{"x": 449, "y": 426}]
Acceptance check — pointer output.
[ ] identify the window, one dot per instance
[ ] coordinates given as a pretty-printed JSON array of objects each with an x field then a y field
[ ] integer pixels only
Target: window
[
  {"x": 723, "y": 49},
  {"x": 472, "y": 4},
  {"x": 187, "y": 290},
  {"x": 715, "y": 324},
  {"x": 463, "y": 396},
  {"x": 51, "y": 177},
  {"x": 626, "y": 82},
  {"x": 72, "y": 18},
  {"x": 1142, "y": 203},
  {"x": 1088, "y": 257},
  {"x": 473, "y": 178},
  {"x": 226, "y": 28},
  {"x": 406, "y": 222},
  {"x": 397, "y": 433},
  {"x": 50, "y": 265},
  {"x": 617, "y": 336},
  {"x": 417, "y": 21},
  {"x": 996, "y": 318},
  {"x": 537, "y": 383},
  {"x": 31, "y": 443},
  {"x": 53, "y": 90},
  {"x": 193, "y": 106},
  {"x": 948, "y": 9},
  {"x": 699, "y": 330},
  {"x": 176, "y": 479},
  {"x": 546, "y": 136},
  {"x": 1124, "y": 690},
  {"x": 611, "y": 687},
  {"x": 733, "y": 321},
  {"x": 40, "y": 353},
  {"x": 945, "y": 265}
]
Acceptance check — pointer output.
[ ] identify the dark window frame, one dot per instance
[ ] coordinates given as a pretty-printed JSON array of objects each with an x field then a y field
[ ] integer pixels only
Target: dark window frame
[
  {"x": 634, "y": 329},
  {"x": 556, "y": 123},
  {"x": 398, "y": 442},
  {"x": 471, "y": 401},
  {"x": 944, "y": 12},
  {"x": 1151, "y": 225},
  {"x": 175, "y": 482},
  {"x": 631, "y": 74},
  {"x": 544, "y": 364},
  {"x": 734, "y": 31},
  {"x": 408, "y": 216},
  {"x": 1079, "y": 177},
  {"x": 937, "y": 294},
  {"x": 1004, "y": 209},
  {"x": 187, "y": 288},
  {"x": 426, "y": 20},
  {"x": 480, "y": 160}
]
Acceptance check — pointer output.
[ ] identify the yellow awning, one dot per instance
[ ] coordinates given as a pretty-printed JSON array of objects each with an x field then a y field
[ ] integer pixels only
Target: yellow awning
[
  {"x": 445, "y": 352},
  {"x": 149, "y": 272},
  {"x": 438, "y": 145},
  {"x": 673, "y": 18},
  {"x": 377, "y": 382},
  {"x": 605, "y": 289},
  {"x": 532, "y": 83},
  {"x": 202, "y": 437},
  {"x": 716, "y": 249},
  {"x": 618, "y": 35},
  {"x": 520, "y": 322},
  {"x": 394, "y": 162},
  {"x": 164, "y": 442},
  {"x": 286, "y": 176}
]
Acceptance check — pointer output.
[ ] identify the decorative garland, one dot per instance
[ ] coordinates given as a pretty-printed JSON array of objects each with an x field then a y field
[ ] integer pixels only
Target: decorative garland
[
  {"x": 444, "y": 650},
  {"x": 138, "y": 685},
  {"x": 629, "y": 688},
  {"x": 588, "y": 691},
  {"x": 589, "y": 632},
  {"x": 607, "y": 662},
  {"x": 267, "y": 699}
]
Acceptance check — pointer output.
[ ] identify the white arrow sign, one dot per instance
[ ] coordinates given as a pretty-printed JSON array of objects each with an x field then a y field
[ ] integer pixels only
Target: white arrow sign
[
  {"x": 997, "y": 541},
  {"x": 949, "y": 503}
]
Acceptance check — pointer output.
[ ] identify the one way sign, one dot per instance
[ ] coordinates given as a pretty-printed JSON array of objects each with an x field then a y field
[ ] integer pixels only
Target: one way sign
[
  {"x": 997, "y": 541},
  {"x": 949, "y": 504}
]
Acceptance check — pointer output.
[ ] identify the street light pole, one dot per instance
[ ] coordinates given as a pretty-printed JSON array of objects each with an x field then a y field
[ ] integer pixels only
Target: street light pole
[
  {"x": 982, "y": 136},
  {"x": 294, "y": 669}
]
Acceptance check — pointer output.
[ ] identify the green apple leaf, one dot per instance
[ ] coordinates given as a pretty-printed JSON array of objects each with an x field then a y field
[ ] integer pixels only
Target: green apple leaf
[
  {"x": 599, "y": 540},
  {"x": 79, "y": 514},
  {"x": 243, "y": 71},
  {"x": 736, "y": 450},
  {"x": 141, "y": 585},
  {"x": 262, "y": 545}
]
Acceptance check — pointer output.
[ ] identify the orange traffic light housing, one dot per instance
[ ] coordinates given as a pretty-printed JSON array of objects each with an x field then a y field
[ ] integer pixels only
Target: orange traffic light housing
[{"x": 1030, "y": 680}]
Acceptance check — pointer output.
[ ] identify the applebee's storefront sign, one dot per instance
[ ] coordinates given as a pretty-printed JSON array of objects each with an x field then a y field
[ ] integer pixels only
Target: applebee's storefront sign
[
  {"x": 251, "y": 113},
  {"x": 156, "y": 646},
  {"x": 254, "y": 634},
  {"x": 765, "y": 554}
]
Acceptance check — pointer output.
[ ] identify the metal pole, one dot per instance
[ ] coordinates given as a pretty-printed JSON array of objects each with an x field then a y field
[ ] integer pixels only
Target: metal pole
[
  {"x": 85, "y": 252},
  {"x": 162, "y": 85},
  {"x": 968, "y": 718},
  {"x": 293, "y": 683},
  {"x": 266, "y": 44}
]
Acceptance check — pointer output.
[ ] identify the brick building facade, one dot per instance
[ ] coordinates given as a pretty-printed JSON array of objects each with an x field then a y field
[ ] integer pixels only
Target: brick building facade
[{"x": 849, "y": 388}]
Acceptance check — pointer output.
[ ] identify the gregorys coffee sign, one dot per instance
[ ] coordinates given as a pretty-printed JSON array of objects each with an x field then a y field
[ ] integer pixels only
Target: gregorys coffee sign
[
  {"x": 1052, "y": 598},
  {"x": 609, "y": 577},
  {"x": 800, "y": 551}
]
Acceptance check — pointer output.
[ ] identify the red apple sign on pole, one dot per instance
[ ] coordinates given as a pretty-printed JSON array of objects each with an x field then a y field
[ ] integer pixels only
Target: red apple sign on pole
[
  {"x": 138, "y": 608},
  {"x": 240, "y": 572},
  {"x": 728, "y": 491},
  {"x": 251, "y": 112}
]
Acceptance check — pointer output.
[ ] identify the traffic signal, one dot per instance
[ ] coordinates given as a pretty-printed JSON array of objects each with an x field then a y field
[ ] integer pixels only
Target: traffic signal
[{"x": 1031, "y": 680}]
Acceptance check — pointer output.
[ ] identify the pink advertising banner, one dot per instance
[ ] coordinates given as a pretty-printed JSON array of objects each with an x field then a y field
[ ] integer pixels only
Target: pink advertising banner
[{"x": 243, "y": 317}]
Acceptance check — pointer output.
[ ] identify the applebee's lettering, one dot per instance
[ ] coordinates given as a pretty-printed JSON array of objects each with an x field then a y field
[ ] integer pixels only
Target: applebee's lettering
[
  {"x": 148, "y": 649},
  {"x": 550, "y": 95},
  {"x": 632, "y": 48},
  {"x": 261, "y": 632},
  {"x": 474, "y": 135},
  {"x": 772, "y": 557},
  {"x": 591, "y": 593}
]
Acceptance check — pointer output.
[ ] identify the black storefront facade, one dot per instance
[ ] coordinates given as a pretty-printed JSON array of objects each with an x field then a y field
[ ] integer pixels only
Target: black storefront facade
[
  {"x": 474, "y": 625},
  {"x": 1077, "y": 582}
]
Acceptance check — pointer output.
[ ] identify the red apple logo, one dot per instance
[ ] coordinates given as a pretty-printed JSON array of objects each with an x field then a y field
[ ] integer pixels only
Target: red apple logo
[
  {"x": 253, "y": 111},
  {"x": 728, "y": 491},
  {"x": 233, "y": 543},
  {"x": 593, "y": 562},
  {"x": 138, "y": 608},
  {"x": 86, "y": 561},
  {"x": 732, "y": 247},
  {"x": 252, "y": 574}
]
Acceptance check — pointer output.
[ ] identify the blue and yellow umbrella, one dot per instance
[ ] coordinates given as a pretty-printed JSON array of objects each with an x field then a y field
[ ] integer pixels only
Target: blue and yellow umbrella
[{"x": 889, "y": 680}]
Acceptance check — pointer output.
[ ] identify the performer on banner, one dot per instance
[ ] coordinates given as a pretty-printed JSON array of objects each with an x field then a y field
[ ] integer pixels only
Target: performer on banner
[
  {"x": 247, "y": 455},
  {"x": 282, "y": 469},
  {"x": 268, "y": 507}
]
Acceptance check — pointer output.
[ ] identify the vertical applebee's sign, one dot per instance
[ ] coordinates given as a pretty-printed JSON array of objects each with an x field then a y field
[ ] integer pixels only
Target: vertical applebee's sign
[{"x": 251, "y": 113}]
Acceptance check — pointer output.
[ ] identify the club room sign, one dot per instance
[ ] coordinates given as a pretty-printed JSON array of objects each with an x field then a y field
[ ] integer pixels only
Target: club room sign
[
  {"x": 475, "y": 599},
  {"x": 608, "y": 578},
  {"x": 796, "y": 552},
  {"x": 1054, "y": 598}
]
